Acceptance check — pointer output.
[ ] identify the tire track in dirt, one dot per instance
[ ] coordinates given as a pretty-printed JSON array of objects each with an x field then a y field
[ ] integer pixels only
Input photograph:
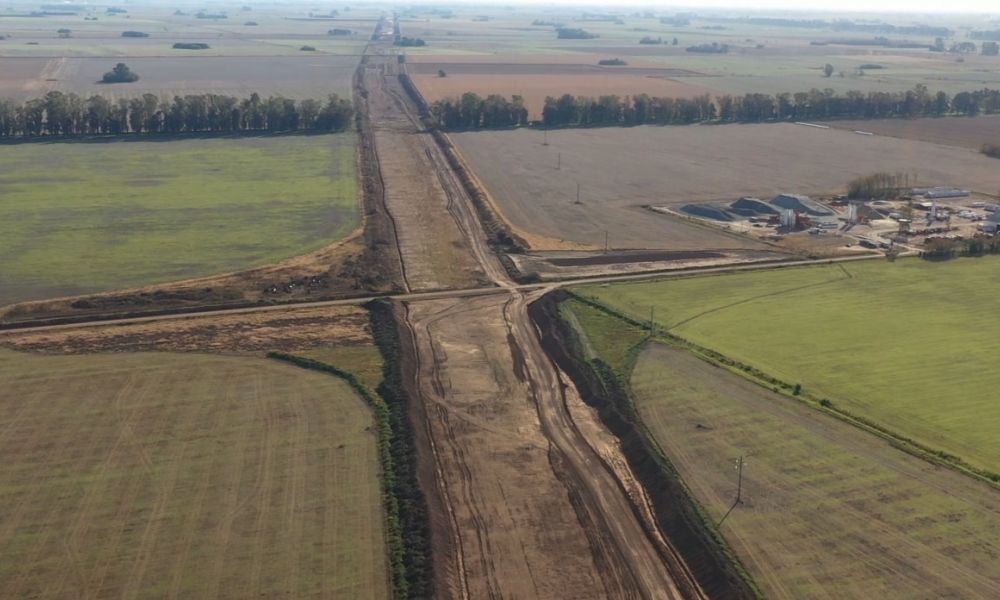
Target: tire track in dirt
[{"x": 521, "y": 381}]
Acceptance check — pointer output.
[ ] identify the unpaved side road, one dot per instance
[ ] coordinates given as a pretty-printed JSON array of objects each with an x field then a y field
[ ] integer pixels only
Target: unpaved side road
[{"x": 522, "y": 504}]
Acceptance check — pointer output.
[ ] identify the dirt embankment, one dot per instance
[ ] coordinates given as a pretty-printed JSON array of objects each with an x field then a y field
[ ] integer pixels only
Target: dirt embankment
[
  {"x": 676, "y": 515},
  {"x": 496, "y": 229}
]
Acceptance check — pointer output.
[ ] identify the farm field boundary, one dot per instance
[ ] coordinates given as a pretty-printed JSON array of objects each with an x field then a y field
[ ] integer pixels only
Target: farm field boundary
[
  {"x": 406, "y": 518},
  {"x": 796, "y": 537},
  {"x": 898, "y": 440},
  {"x": 678, "y": 515}
]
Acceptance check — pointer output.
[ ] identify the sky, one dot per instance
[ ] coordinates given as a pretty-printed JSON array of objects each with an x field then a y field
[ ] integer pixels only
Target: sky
[{"x": 881, "y": 6}]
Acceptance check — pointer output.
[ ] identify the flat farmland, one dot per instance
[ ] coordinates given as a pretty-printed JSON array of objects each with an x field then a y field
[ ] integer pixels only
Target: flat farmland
[
  {"x": 87, "y": 217},
  {"x": 619, "y": 170},
  {"x": 166, "y": 475},
  {"x": 907, "y": 344},
  {"x": 827, "y": 511},
  {"x": 302, "y": 76},
  {"x": 965, "y": 132},
  {"x": 245, "y": 33}
]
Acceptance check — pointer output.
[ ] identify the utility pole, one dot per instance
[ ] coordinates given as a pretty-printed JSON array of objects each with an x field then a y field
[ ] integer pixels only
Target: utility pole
[
  {"x": 739, "y": 491},
  {"x": 739, "y": 480},
  {"x": 559, "y": 162}
]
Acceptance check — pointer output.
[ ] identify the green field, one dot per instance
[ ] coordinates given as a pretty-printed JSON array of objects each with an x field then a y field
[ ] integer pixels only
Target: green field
[
  {"x": 167, "y": 475},
  {"x": 828, "y": 510},
  {"x": 87, "y": 217},
  {"x": 907, "y": 344}
]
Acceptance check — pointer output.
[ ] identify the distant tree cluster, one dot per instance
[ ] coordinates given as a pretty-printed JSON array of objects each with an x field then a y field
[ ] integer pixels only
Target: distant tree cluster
[
  {"x": 120, "y": 74},
  {"x": 191, "y": 46},
  {"x": 838, "y": 25},
  {"x": 991, "y": 150},
  {"x": 135, "y": 34},
  {"x": 570, "y": 33},
  {"x": 569, "y": 110},
  {"x": 612, "y": 62},
  {"x": 338, "y": 31},
  {"x": 993, "y": 34},
  {"x": 878, "y": 185},
  {"x": 713, "y": 48},
  {"x": 474, "y": 112},
  {"x": 68, "y": 114},
  {"x": 543, "y": 23},
  {"x": 408, "y": 42},
  {"x": 676, "y": 21},
  {"x": 991, "y": 49},
  {"x": 647, "y": 40}
]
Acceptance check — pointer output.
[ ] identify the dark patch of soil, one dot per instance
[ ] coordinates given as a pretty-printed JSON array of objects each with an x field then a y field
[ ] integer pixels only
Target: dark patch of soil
[{"x": 617, "y": 258}]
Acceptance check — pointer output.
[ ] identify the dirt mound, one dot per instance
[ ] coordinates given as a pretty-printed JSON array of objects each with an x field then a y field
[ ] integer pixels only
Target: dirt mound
[
  {"x": 802, "y": 204},
  {"x": 708, "y": 211}
]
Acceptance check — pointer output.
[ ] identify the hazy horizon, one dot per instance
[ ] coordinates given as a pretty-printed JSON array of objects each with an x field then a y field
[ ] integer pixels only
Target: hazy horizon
[{"x": 914, "y": 7}]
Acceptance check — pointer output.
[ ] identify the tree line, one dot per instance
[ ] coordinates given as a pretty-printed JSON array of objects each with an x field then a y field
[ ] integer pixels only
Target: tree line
[
  {"x": 62, "y": 114},
  {"x": 879, "y": 185},
  {"x": 474, "y": 112}
]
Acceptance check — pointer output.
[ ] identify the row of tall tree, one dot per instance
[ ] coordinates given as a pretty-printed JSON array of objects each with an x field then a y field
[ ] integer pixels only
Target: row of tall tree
[
  {"x": 69, "y": 114},
  {"x": 879, "y": 185},
  {"x": 473, "y": 112}
]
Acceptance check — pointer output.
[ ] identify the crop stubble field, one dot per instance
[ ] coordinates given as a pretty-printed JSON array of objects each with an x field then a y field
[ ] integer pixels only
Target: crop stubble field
[
  {"x": 534, "y": 80},
  {"x": 966, "y": 132},
  {"x": 619, "y": 170},
  {"x": 86, "y": 217},
  {"x": 762, "y": 58},
  {"x": 165, "y": 77},
  {"x": 828, "y": 511},
  {"x": 185, "y": 475},
  {"x": 906, "y": 344}
]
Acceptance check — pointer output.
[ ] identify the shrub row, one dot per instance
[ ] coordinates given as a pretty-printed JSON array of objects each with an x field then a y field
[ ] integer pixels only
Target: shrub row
[{"x": 407, "y": 531}]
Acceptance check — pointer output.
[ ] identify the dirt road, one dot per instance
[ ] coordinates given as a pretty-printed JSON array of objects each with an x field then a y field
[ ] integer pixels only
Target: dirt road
[{"x": 524, "y": 504}]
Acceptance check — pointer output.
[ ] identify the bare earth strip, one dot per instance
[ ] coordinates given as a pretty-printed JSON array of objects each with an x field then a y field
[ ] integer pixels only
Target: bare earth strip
[
  {"x": 523, "y": 504},
  {"x": 180, "y": 476},
  {"x": 619, "y": 170},
  {"x": 434, "y": 251},
  {"x": 828, "y": 511},
  {"x": 285, "y": 330},
  {"x": 963, "y": 132},
  {"x": 518, "y": 532}
]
